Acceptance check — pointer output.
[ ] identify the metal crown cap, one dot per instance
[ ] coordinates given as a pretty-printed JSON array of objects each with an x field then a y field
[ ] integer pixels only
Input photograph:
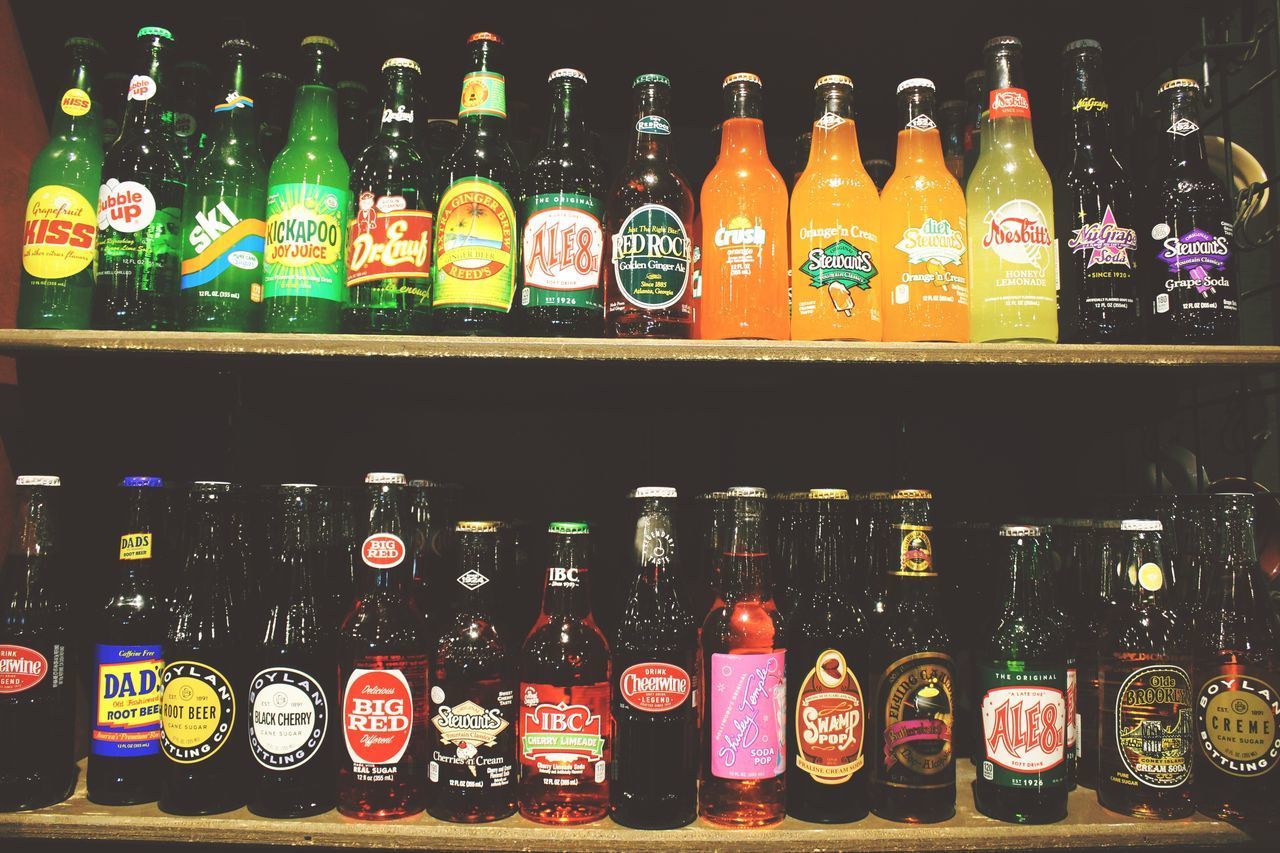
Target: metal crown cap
[
  {"x": 476, "y": 527},
  {"x": 425, "y": 484},
  {"x": 653, "y": 492},
  {"x": 746, "y": 492},
  {"x": 1082, "y": 44},
  {"x": 84, "y": 41},
  {"x": 401, "y": 62},
  {"x": 161, "y": 32},
  {"x": 571, "y": 527},
  {"x": 244, "y": 43},
  {"x": 1143, "y": 525},
  {"x": 660, "y": 79},
  {"x": 38, "y": 480},
  {"x": 1178, "y": 83},
  {"x": 911, "y": 495},
  {"x": 384, "y": 477},
  {"x": 1002, "y": 41},
  {"x": 493, "y": 37},
  {"x": 718, "y": 495},
  {"x": 299, "y": 486},
  {"x": 324, "y": 40},
  {"x": 572, "y": 73},
  {"x": 142, "y": 482},
  {"x": 1021, "y": 530},
  {"x": 828, "y": 494},
  {"x": 834, "y": 79},
  {"x": 742, "y": 77},
  {"x": 916, "y": 83}
]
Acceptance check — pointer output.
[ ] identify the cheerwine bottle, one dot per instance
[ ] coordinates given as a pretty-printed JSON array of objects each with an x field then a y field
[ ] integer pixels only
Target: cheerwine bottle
[
  {"x": 564, "y": 693},
  {"x": 1012, "y": 258},
  {"x": 382, "y": 668}
]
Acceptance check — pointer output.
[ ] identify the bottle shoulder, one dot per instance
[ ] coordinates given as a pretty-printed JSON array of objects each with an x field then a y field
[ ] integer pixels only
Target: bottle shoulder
[{"x": 299, "y": 163}]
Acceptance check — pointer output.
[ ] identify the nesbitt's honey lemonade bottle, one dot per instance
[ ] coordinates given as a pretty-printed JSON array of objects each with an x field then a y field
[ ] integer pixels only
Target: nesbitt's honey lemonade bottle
[{"x": 835, "y": 229}]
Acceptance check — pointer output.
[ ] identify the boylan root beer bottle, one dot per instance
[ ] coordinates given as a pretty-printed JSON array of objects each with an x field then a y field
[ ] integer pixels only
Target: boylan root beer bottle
[{"x": 565, "y": 737}]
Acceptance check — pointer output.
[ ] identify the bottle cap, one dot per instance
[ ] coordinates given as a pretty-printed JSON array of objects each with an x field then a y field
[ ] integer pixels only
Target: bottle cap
[
  {"x": 742, "y": 77},
  {"x": 713, "y": 496},
  {"x": 1002, "y": 42},
  {"x": 322, "y": 40},
  {"x": 493, "y": 37},
  {"x": 827, "y": 494},
  {"x": 401, "y": 62},
  {"x": 211, "y": 483},
  {"x": 1178, "y": 83},
  {"x": 384, "y": 478},
  {"x": 1107, "y": 523},
  {"x": 975, "y": 74},
  {"x": 476, "y": 527},
  {"x": 241, "y": 43},
  {"x": 566, "y": 72},
  {"x": 651, "y": 78},
  {"x": 1141, "y": 525},
  {"x": 653, "y": 492},
  {"x": 834, "y": 79},
  {"x": 746, "y": 492},
  {"x": 158, "y": 32},
  {"x": 1082, "y": 44},
  {"x": 1021, "y": 530},
  {"x": 911, "y": 495},
  {"x": 39, "y": 480},
  {"x": 425, "y": 484},
  {"x": 299, "y": 486},
  {"x": 142, "y": 482},
  {"x": 878, "y": 496},
  {"x": 1078, "y": 523},
  {"x": 570, "y": 527},
  {"x": 84, "y": 41},
  {"x": 916, "y": 83},
  {"x": 353, "y": 84}
]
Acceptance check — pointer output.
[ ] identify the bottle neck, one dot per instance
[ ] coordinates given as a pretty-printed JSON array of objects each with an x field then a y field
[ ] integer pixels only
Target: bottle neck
[
  {"x": 828, "y": 571},
  {"x": 377, "y": 551},
  {"x": 315, "y": 115},
  {"x": 656, "y": 548},
  {"x": 919, "y": 140},
  {"x": 1085, "y": 99},
  {"x": 298, "y": 551},
  {"x": 477, "y": 571},
  {"x": 1026, "y": 575},
  {"x": 143, "y": 514},
  {"x": 1183, "y": 138},
  {"x": 145, "y": 108},
  {"x": 653, "y": 123},
  {"x": 205, "y": 574},
  {"x": 36, "y": 530},
  {"x": 746, "y": 557},
  {"x": 1008, "y": 124},
  {"x": 742, "y": 137},
  {"x": 835, "y": 135},
  {"x": 67, "y": 125},
  {"x": 565, "y": 128},
  {"x": 398, "y": 102},
  {"x": 1146, "y": 570},
  {"x": 235, "y": 119},
  {"x": 567, "y": 592},
  {"x": 483, "y": 109},
  {"x": 1238, "y": 585}
]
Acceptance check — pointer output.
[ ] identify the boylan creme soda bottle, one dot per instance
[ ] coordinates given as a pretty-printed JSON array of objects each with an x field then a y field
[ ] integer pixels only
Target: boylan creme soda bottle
[
  {"x": 304, "y": 282},
  {"x": 60, "y": 231},
  {"x": 223, "y": 225},
  {"x": 140, "y": 204}
]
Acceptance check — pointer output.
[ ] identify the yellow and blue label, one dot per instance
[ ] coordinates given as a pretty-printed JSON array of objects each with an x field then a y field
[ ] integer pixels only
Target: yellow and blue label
[
  {"x": 126, "y": 721},
  {"x": 240, "y": 247}
]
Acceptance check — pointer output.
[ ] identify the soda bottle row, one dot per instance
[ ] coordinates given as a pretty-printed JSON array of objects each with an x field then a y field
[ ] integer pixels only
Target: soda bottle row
[{"x": 390, "y": 241}]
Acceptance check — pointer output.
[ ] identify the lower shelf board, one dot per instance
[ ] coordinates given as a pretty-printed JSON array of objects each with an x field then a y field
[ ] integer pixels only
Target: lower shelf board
[{"x": 1088, "y": 825}]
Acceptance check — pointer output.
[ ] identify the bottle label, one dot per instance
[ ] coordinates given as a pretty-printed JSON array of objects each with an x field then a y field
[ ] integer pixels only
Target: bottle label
[
  {"x": 59, "y": 234},
  {"x": 1236, "y": 724},
  {"x": 198, "y": 708},
  {"x": 830, "y": 721},
  {"x": 936, "y": 245},
  {"x": 218, "y": 241},
  {"x": 473, "y": 736},
  {"x": 921, "y": 122},
  {"x": 1196, "y": 260},
  {"x": 388, "y": 241},
  {"x": 135, "y": 546},
  {"x": 184, "y": 125},
  {"x": 1153, "y": 725},
  {"x": 1018, "y": 233},
  {"x": 563, "y": 731},
  {"x": 306, "y": 235},
  {"x": 651, "y": 257},
  {"x": 75, "y": 102},
  {"x": 655, "y": 687},
  {"x": 127, "y": 703},
  {"x": 1104, "y": 242},
  {"x": 1183, "y": 127},
  {"x": 125, "y": 206},
  {"x": 1073, "y": 710},
  {"x": 383, "y": 551},
  {"x": 563, "y": 244},
  {"x": 1090, "y": 105},
  {"x": 748, "y": 715},
  {"x": 841, "y": 268},
  {"x": 23, "y": 668},
  {"x": 918, "y": 714},
  {"x": 476, "y": 252},
  {"x": 915, "y": 551},
  {"x": 234, "y": 101},
  {"x": 380, "y": 708},
  {"x": 141, "y": 88},
  {"x": 290, "y": 718},
  {"x": 653, "y": 125},
  {"x": 1024, "y": 716},
  {"x": 483, "y": 94},
  {"x": 741, "y": 243},
  {"x": 1011, "y": 102}
]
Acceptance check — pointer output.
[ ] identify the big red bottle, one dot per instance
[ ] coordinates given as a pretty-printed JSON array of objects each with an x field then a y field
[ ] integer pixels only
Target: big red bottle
[
  {"x": 564, "y": 693},
  {"x": 383, "y": 662}
]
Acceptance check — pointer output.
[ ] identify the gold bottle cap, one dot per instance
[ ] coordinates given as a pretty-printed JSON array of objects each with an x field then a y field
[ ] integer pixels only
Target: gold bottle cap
[
  {"x": 742, "y": 77},
  {"x": 1141, "y": 525},
  {"x": 829, "y": 79},
  {"x": 476, "y": 527},
  {"x": 911, "y": 495},
  {"x": 1178, "y": 83},
  {"x": 324, "y": 40},
  {"x": 828, "y": 494},
  {"x": 402, "y": 62}
]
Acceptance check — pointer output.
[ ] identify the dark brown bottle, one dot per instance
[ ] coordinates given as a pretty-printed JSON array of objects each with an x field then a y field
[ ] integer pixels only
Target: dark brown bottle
[{"x": 1098, "y": 597}]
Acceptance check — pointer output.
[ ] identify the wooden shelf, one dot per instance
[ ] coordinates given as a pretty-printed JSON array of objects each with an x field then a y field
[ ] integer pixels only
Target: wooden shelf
[
  {"x": 1087, "y": 825},
  {"x": 25, "y": 341}
]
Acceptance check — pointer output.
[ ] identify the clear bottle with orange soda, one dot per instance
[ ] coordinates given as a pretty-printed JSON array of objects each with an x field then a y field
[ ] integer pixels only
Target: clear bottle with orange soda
[
  {"x": 744, "y": 214},
  {"x": 922, "y": 210},
  {"x": 835, "y": 229}
]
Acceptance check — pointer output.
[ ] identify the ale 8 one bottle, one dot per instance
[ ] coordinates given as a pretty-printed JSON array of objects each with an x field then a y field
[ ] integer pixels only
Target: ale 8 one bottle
[
  {"x": 477, "y": 235},
  {"x": 223, "y": 223},
  {"x": 390, "y": 234},
  {"x": 1022, "y": 682},
  {"x": 647, "y": 223},
  {"x": 383, "y": 666},
  {"x": 922, "y": 210},
  {"x": 140, "y": 204},
  {"x": 744, "y": 677},
  {"x": 1012, "y": 258},
  {"x": 304, "y": 278},
  {"x": 37, "y": 686},
  {"x": 1144, "y": 655},
  {"x": 473, "y": 707},
  {"x": 124, "y": 765},
  {"x": 1189, "y": 284},
  {"x": 744, "y": 211},
  {"x": 827, "y": 655},
  {"x": 1098, "y": 247},
  {"x": 1237, "y": 670},
  {"x": 561, "y": 292},
  {"x": 835, "y": 229},
  {"x": 565, "y": 737},
  {"x": 60, "y": 229},
  {"x": 655, "y": 694}
]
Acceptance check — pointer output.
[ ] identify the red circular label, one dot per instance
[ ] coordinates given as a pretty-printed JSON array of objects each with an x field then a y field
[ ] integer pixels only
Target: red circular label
[
  {"x": 383, "y": 551},
  {"x": 377, "y": 715},
  {"x": 654, "y": 687},
  {"x": 21, "y": 668}
]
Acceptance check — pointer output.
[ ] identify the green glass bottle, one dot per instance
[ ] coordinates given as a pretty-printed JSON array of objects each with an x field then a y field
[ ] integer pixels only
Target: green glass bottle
[
  {"x": 190, "y": 120},
  {"x": 140, "y": 203},
  {"x": 304, "y": 283},
  {"x": 60, "y": 229},
  {"x": 224, "y": 220}
]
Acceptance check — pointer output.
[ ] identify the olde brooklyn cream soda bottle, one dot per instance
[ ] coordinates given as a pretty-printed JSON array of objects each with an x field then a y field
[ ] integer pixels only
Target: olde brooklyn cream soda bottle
[{"x": 1012, "y": 258}]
